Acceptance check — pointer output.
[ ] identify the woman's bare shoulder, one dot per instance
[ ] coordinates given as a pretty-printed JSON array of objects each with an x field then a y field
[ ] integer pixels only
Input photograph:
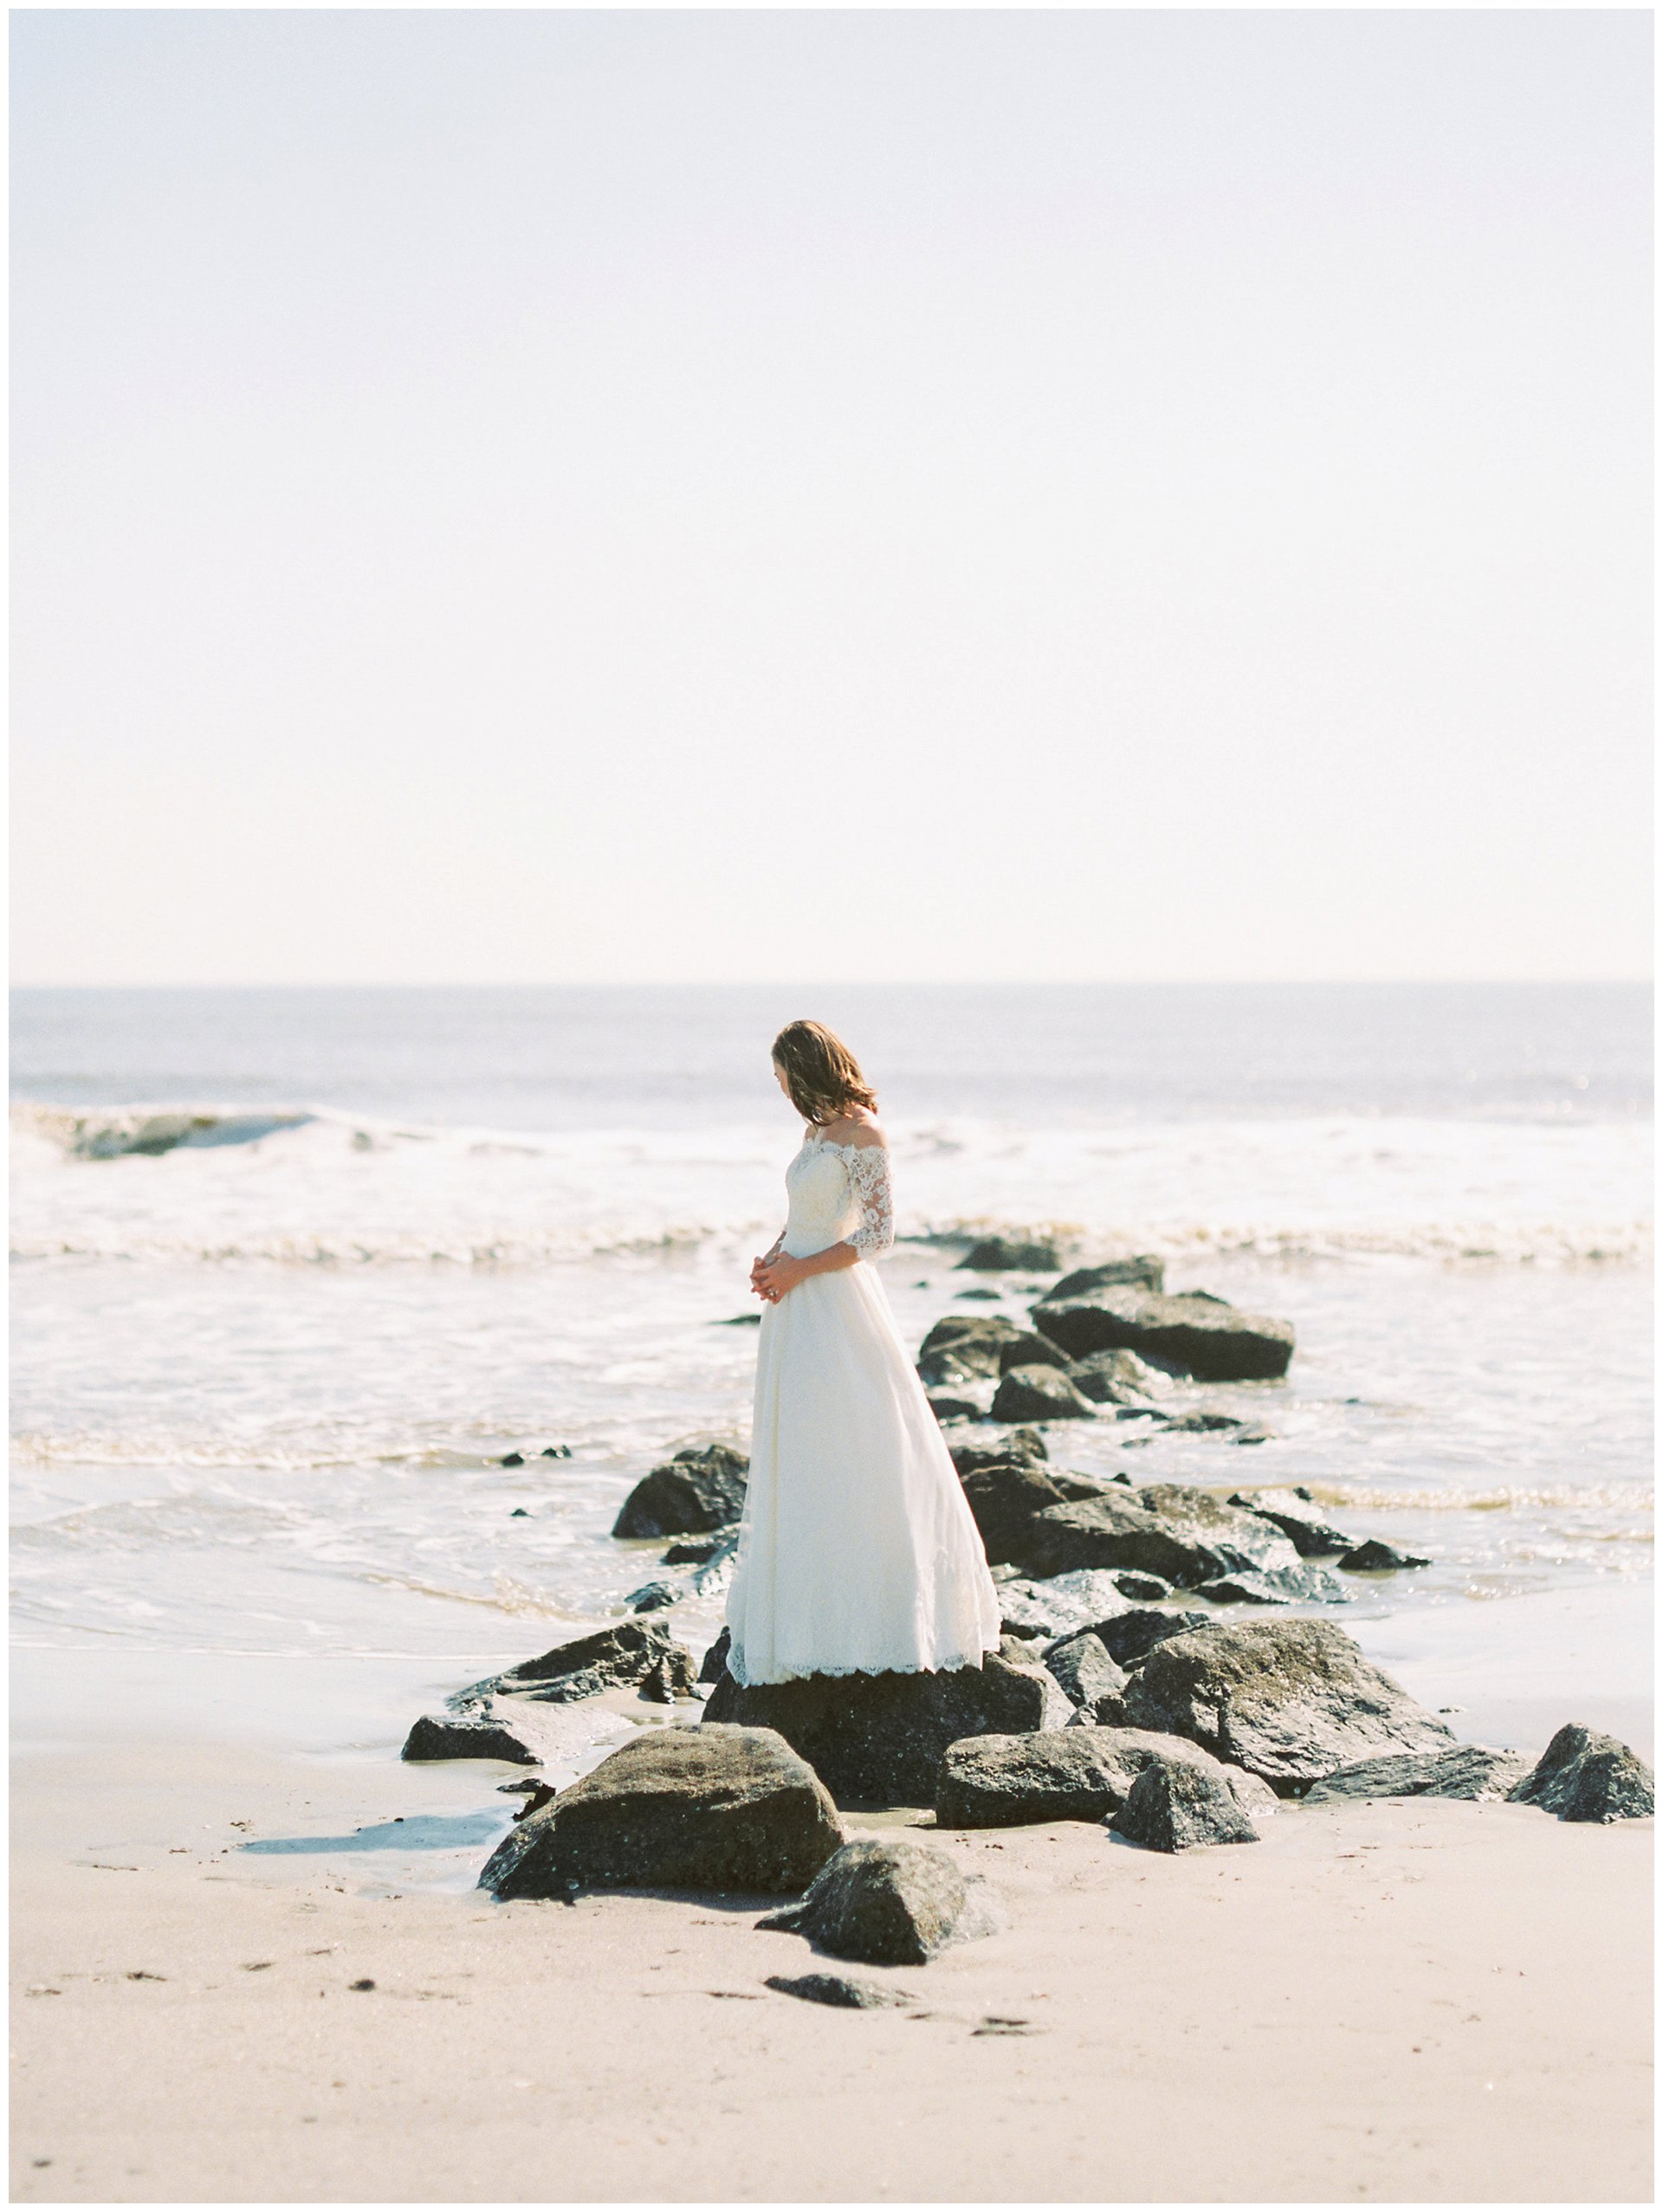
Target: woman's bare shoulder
[{"x": 861, "y": 1128}]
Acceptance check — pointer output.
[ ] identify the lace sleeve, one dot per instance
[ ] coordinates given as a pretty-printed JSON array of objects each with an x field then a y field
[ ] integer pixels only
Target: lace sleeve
[{"x": 868, "y": 1176}]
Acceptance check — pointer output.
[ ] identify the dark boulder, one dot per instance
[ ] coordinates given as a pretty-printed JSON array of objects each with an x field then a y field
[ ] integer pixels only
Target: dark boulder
[
  {"x": 1118, "y": 1379},
  {"x": 878, "y": 1738},
  {"x": 1583, "y": 1776},
  {"x": 1290, "y": 1700},
  {"x": 1004, "y": 1496},
  {"x": 1026, "y": 1350},
  {"x": 1175, "y": 1805},
  {"x": 714, "y": 1663},
  {"x": 999, "y": 1255},
  {"x": 1294, "y": 1514},
  {"x": 1143, "y": 1588},
  {"x": 947, "y": 1406},
  {"x": 1059, "y": 1607},
  {"x": 847, "y": 1991},
  {"x": 995, "y": 1446},
  {"x": 1040, "y": 1393},
  {"x": 1222, "y": 1537},
  {"x": 1194, "y": 1335},
  {"x": 1002, "y": 1781},
  {"x": 972, "y": 1340},
  {"x": 1129, "y": 1637},
  {"x": 654, "y": 1597},
  {"x": 888, "y": 1904},
  {"x": 702, "y": 1488},
  {"x": 690, "y": 1808},
  {"x": 670, "y": 1677},
  {"x": 1183, "y": 1534},
  {"x": 1470, "y": 1770},
  {"x": 1302, "y": 1584},
  {"x": 1083, "y": 1668},
  {"x": 1377, "y": 1558},
  {"x": 609, "y": 1659},
  {"x": 698, "y": 1551},
  {"x": 1142, "y": 1273},
  {"x": 480, "y": 1735}
]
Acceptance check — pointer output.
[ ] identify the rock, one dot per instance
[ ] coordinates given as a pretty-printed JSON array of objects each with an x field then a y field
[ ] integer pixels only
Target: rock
[
  {"x": 1074, "y": 1487},
  {"x": 519, "y": 1514},
  {"x": 1010, "y": 1443},
  {"x": 1292, "y": 1701},
  {"x": 999, "y": 1254},
  {"x": 1061, "y": 1605},
  {"x": 1303, "y": 1584},
  {"x": 1081, "y": 1773},
  {"x": 973, "y": 1340},
  {"x": 1377, "y": 1558},
  {"x": 978, "y": 1291},
  {"x": 1142, "y": 1273},
  {"x": 999, "y": 1782},
  {"x": 887, "y": 1904},
  {"x": 1175, "y": 1806},
  {"x": 1172, "y": 1530},
  {"x": 670, "y": 1677},
  {"x": 1128, "y": 1638},
  {"x": 653, "y": 1597},
  {"x": 1116, "y": 1378},
  {"x": 1466, "y": 1770},
  {"x": 738, "y": 1321},
  {"x": 468, "y": 1736},
  {"x": 715, "y": 1664},
  {"x": 1583, "y": 1776},
  {"x": 1142, "y": 1587},
  {"x": 945, "y": 1407},
  {"x": 690, "y": 1808},
  {"x": 700, "y": 1489},
  {"x": 1202, "y": 1423},
  {"x": 1195, "y": 1334},
  {"x": 1026, "y": 1349},
  {"x": 695, "y": 1551},
  {"x": 1081, "y": 1665},
  {"x": 564, "y": 1450},
  {"x": 538, "y": 1793},
  {"x": 609, "y": 1660},
  {"x": 878, "y": 1738},
  {"x": 1004, "y": 1497},
  {"x": 1292, "y": 1512},
  {"x": 847, "y": 1990},
  {"x": 1040, "y": 1393},
  {"x": 512, "y": 1460}
]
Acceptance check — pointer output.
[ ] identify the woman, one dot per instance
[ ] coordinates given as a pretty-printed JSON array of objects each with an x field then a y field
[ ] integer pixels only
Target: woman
[{"x": 857, "y": 1553}]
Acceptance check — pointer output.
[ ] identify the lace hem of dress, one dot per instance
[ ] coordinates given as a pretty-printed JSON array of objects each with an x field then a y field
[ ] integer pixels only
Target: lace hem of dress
[{"x": 808, "y": 1673}]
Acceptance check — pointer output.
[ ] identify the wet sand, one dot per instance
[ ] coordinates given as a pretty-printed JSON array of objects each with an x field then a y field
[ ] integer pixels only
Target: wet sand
[{"x": 1399, "y": 2002}]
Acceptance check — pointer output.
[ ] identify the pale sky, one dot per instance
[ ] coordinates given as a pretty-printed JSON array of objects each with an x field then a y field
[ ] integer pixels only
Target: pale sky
[{"x": 731, "y": 496}]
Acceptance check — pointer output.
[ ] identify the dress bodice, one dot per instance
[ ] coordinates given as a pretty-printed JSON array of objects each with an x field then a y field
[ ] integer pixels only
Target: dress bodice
[{"x": 838, "y": 1193}]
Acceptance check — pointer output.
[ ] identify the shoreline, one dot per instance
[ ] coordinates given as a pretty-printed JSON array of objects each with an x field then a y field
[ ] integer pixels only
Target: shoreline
[
  {"x": 1392, "y": 2001},
  {"x": 1411, "y": 2000}
]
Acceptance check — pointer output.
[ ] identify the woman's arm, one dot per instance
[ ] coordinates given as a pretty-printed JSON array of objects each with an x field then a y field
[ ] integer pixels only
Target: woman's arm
[{"x": 773, "y": 1279}]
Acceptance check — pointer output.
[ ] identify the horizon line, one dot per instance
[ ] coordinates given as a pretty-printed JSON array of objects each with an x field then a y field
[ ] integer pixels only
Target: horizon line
[{"x": 906, "y": 983}]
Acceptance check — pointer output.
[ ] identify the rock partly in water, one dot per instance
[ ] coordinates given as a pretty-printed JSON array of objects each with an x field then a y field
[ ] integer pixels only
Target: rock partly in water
[
  {"x": 1292, "y": 1701},
  {"x": 1144, "y": 1588},
  {"x": 1175, "y": 1805},
  {"x": 1040, "y": 1393},
  {"x": 888, "y": 1904},
  {"x": 1469, "y": 1770},
  {"x": 878, "y": 1738},
  {"x": 847, "y": 1991},
  {"x": 1083, "y": 1668},
  {"x": 693, "y": 1808},
  {"x": 1297, "y": 1517},
  {"x": 1028, "y": 1348},
  {"x": 1000, "y": 1255},
  {"x": 948, "y": 1405},
  {"x": 480, "y": 1735},
  {"x": 1193, "y": 1335},
  {"x": 1119, "y": 1378},
  {"x": 1583, "y": 1776},
  {"x": 1142, "y": 1272},
  {"x": 993, "y": 1447},
  {"x": 701, "y": 1490},
  {"x": 698, "y": 1551},
  {"x": 972, "y": 1340},
  {"x": 1303, "y": 1584},
  {"x": 1173, "y": 1529},
  {"x": 654, "y": 1597},
  {"x": 609, "y": 1659},
  {"x": 1377, "y": 1558}
]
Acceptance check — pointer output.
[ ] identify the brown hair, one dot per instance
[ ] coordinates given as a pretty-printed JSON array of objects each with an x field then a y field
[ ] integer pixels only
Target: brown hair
[{"x": 822, "y": 1074}]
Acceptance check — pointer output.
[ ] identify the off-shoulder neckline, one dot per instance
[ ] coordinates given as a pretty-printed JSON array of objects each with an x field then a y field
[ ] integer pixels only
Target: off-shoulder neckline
[{"x": 829, "y": 1144}]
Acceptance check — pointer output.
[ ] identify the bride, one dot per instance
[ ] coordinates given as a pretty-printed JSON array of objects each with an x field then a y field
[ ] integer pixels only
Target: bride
[{"x": 857, "y": 1552}]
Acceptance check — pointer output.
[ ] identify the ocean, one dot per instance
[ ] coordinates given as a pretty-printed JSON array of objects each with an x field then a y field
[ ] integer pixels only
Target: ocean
[{"x": 264, "y": 1377}]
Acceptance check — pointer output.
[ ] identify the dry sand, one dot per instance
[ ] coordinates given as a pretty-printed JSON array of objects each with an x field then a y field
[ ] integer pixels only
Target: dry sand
[{"x": 1394, "y": 2002}]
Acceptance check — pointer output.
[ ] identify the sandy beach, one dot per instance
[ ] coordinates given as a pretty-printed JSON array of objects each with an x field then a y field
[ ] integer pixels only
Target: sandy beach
[{"x": 1387, "y": 2001}]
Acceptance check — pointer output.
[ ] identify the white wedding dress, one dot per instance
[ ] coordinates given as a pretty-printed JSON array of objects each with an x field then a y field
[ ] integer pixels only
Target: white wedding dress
[{"x": 857, "y": 1552}]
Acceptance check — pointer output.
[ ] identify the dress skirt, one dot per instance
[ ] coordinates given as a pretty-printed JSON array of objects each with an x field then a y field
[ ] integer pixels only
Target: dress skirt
[{"x": 858, "y": 1553}]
